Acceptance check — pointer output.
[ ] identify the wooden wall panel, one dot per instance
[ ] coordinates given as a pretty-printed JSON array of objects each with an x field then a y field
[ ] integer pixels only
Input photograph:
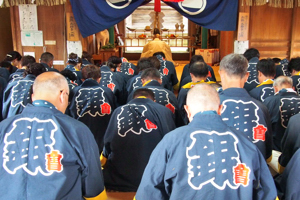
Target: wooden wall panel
[
  {"x": 5, "y": 32},
  {"x": 295, "y": 43},
  {"x": 270, "y": 30},
  {"x": 51, "y": 20}
]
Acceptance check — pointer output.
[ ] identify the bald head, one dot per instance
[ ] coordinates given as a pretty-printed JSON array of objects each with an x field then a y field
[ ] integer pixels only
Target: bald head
[
  {"x": 202, "y": 97},
  {"x": 52, "y": 87}
]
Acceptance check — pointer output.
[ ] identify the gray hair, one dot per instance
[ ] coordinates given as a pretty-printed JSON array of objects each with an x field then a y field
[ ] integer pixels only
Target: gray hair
[
  {"x": 234, "y": 65},
  {"x": 283, "y": 81}
]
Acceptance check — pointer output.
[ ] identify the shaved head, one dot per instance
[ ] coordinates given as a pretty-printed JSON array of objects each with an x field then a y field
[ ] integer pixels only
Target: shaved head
[
  {"x": 202, "y": 97},
  {"x": 52, "y": 87}
]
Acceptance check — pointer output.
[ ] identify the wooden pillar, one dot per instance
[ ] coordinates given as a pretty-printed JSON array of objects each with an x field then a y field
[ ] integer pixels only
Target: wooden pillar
[{"x": 226, "y": 43}]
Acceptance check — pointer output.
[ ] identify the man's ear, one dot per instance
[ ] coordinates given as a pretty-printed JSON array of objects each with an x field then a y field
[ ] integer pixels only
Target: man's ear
[
  {"x": 188, "y": 112},
  {"x": 98, "y": 80},
  {"x": 220, "y": 109},
  {"x": 160, "y": 81},
  {"x": 143, "y": 81},
  {"x": 246, "y": 77}
]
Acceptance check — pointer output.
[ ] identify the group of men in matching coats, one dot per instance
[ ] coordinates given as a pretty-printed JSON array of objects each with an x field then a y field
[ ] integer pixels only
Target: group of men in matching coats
[{"x": 225, "y": 140}]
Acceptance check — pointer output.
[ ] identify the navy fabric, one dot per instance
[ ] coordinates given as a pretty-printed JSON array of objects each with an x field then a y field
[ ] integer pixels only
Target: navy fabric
[
  {"x": 261, "y": 92},
  {"x": 115, "y": 82},
  {"x": 28, "y": 144},
  {"x": 164, "y": 97},
  {"x": 49, "y": 68},
  {"x": 296, "y": 83},
  {"x": 16, "y": 75},
  {"x": 133, "y": 132},
  {"x": 205, "y": 160},
  {"x": 128, "y": 69},
  {"x": 136, "y": 82},
  {"x": 281, "y": 107},
  {"x": 282, "y": 69},
  {"x": 290, "y": 142},
  {"x": 95, "y": 19},
  {"x": 3, "y": 85},
  {"x": 249, "y": 116},
  {"x": 167, "y": 69},
  {"x": 17, "y": 95},
  {"x": 93, "y": 105},
  {"x": 78, "y": 74},
  {"x": 4, "y": 73},
  {"x": 252, "y": 80},
  {"x": 288, "y": 187},
  {"x": 213, "y": 14}
]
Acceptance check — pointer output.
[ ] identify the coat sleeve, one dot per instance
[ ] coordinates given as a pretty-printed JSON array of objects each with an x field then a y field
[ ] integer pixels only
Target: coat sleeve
[
  {"x": 91, "y": 173},
  {"x": 153, "y": 185},
  {"x": 290, "y": 142},
  {"x": 264, "y": 186}
]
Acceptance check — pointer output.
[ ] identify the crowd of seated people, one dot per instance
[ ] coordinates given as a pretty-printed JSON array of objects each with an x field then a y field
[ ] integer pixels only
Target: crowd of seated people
[{"x": 122, "y": 127}]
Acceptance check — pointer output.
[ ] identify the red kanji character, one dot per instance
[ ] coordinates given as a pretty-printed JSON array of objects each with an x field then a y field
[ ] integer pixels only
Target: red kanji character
[
  {"x": 259, "y": 132},
  {"x": 241, "y": 174},
  {"x": 165, "y": 71},
  {"x": 171, "y": 107},
  {"x": 53, "y": 161},
  {"x": 111, "y": 86},
  {"x": 130, "y": 71},
  {"x": 150, "y": 125},
  {"x": 209, "y": 74},
  {"x": 105, "y": 108}
]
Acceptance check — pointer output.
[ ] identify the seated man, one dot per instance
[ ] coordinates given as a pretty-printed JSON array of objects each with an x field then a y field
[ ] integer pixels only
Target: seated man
[
  {"x": 135, "y": 82},
  {"x": 74, "y": 64},
  {"x": 282, "y": 68},
  {"x": 18, "y": 93},
  {"x": 157, "y": 46},
  {"x": 265, "y": 74},
  {"x": 115, "y": 82},
  {"x": 133, "y": 132},
  {"x": 25, "y": 61},
  {"x": 47, "y": 154},
  {"x": 93, "y": 104},
  {"x": 290, "y": 142},
  {"x": 186, "y": 77},
  {"x": 151, "y": 80},
  {"x": 206, "y": 159},
  {"x": 199, "y": 73},
  {"x": 167, "y": 69},
  {"x": 240, "y": 110},
  {"x": 47, "y": 59},
  {"x": 294, "y": 69},
  {"x": 284, "y": 104},
  {"x": 252, "y": 55}
]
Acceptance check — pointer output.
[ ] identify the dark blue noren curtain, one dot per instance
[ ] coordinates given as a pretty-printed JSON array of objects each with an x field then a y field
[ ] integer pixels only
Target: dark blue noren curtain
[
  {"x": 93, "y": 16},
  {"x": 212, "y": 14}
]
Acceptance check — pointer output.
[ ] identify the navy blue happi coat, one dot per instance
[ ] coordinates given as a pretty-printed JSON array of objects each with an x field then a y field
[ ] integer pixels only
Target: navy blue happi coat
[
  {"x": 206, "y": 159},
  {"x": 133, "y": 132}
]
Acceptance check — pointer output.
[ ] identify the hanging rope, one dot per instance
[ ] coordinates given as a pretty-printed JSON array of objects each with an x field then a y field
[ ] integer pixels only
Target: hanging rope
[
  {"x": 8, "y": 3},
  {"x": 272, "y": 3}
]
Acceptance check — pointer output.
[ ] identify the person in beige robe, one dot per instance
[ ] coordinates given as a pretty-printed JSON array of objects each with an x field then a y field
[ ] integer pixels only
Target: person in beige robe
[{"x": 157, "y": 46}]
